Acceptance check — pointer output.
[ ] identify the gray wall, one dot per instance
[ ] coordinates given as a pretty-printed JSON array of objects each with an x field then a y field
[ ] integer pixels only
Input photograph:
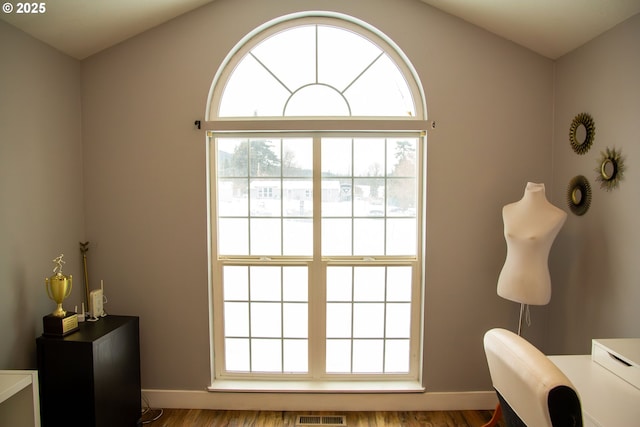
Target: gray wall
[
  {"x": 145, "y": 175},
  {"x": 597, "y": 270},
  {"x": 41, "y": 203}
]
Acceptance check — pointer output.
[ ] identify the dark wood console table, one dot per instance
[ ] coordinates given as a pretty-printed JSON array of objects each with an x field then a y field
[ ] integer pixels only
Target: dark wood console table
[{"x": 91, "y": 377}]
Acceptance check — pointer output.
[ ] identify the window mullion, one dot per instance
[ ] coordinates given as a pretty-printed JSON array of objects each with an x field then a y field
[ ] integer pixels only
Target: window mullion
[
  {"x": 384, "y": 316},
  {"x": 282, "y": 196},
  {"x": 282, "y": 320},
  {"x": 316, "y": 53},
  {"x": 250, "y": 338},
  {"x": 363, "y": 71},
  {"x": 353, "y": 309},
  {"x": 317, "y": 275}
]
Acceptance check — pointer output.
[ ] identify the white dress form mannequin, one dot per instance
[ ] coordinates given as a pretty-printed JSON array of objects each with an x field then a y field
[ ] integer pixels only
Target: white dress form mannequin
[{"x": 530, "y": 227}]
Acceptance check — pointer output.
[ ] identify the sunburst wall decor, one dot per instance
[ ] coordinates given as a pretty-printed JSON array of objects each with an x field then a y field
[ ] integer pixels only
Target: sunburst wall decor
[
  {"x": 579, "y": 195},
  {"x": 581, "y": 133},
  {"x": 610, "y": 170}
]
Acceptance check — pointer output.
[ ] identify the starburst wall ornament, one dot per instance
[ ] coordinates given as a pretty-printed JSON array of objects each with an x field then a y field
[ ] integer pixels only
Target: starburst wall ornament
[
  {"x": 582, "y": 133},
  {"x": 579, "y": 195},
  {"x": 610, "y": 170}
]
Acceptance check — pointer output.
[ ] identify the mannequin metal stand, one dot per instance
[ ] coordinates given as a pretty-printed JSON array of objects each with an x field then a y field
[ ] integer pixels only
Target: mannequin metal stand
[{"x": 497, "y": 413}]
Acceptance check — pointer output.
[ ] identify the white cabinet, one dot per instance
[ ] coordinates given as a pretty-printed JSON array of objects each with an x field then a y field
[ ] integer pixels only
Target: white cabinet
[
  {"x": 19, "y": 399},
  {"x": 620, "y": 356},
  {"x": 606, "y": 399}
]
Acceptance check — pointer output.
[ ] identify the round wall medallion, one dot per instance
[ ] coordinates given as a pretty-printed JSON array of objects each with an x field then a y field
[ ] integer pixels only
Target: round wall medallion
[
  {"x": 579, "y": 195},
  {"x": 610, "y": 169},
  {"x": 581, "y": 133}
]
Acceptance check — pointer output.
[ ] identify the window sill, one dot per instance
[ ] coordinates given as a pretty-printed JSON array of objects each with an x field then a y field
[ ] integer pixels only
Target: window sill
[{"x": 253, "y": 386}]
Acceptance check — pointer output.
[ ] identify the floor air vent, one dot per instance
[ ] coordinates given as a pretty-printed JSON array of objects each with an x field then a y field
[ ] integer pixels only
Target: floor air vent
[{"x": 321, "y": 420}]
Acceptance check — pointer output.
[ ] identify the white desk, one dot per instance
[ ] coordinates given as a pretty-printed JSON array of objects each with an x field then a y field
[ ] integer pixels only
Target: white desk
[
  {"x": 19, "y": 399},
  {"x": 607, "y": 400}
]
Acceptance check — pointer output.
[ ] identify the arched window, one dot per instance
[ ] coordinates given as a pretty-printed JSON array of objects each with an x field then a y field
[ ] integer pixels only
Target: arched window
[
  {"x": 320, "y": 65},
  {"x": 316, "y": 138}
]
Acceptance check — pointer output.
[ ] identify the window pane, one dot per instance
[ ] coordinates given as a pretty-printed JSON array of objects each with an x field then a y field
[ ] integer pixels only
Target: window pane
[
  {"x": 401, "y": 197},
  {"x": 297, "y": 237},
  {"x": 400, "y": 236},
  {"x": 233, "y": 236},
  {"x": 265, "y": 197},
  {"x": 236, "y": 283},
  {"x": 368, "y": 97},
  {"x": 339, "y": 283},
  {"x": 377, "y": 322},
  {"x": 232, "y": 197},
  {"x": 338, "y": 320},
  {"x": 336, "y": 237},
  {"x": 252, "y": 91},
  {"x": 396, "y": 357},
  {"x": 298, "y": 198},
  {"x": 401, "y": 157},
  {"x": 297, "y": 157},
  {"x": 289, "y": 55},
  {"x": 368, "y": 320},
  {"x": 336, "y": 157},
  {"x": 383, "y": 186},
  {"x": 399, "y": 284},
  {"x": 266, "y": 355},
  {"x": 369, "y": 284},
  {"x": 236, "y": 319},
  {"x": 398, "y": 320},
  {"x": 266, "y": 320},
  {"x": 296, "y": 356},
  {"x": 336, "y": 197},
  {"x": 368, "y": 197},
  {"x": 368, "y": 157},
  {"x": 295, "y": 320},
  {"x": 237, "y": 354},
  {"x": 265, "y": 237},
  {"x": 368, "y": 237},
  {"x": 265, "y": 283},
  {"x": 317, "y": 100},
  {"x": 342, "y": 56},
  {"x": 367, "y": 356},
  {"x": 232, "y": 155},
  {"x": 338, "y": 358},
  {"x": 264, "y": 158},
  {"x": 295, "y": 283}
]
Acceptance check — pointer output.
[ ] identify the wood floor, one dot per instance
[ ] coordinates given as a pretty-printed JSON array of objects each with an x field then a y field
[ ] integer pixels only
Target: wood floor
[{"x": 210, "y": 418}]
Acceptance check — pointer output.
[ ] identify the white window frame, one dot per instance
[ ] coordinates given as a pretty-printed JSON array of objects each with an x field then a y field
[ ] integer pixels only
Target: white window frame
[{"x": 315, "y": 128}]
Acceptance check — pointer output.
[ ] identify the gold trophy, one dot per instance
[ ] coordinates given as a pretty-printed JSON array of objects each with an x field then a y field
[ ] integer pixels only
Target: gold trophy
[{"x": 59, "y": 286}]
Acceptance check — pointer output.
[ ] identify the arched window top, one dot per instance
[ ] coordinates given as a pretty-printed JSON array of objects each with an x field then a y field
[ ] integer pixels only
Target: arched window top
[{"x": 316, "y": 65}]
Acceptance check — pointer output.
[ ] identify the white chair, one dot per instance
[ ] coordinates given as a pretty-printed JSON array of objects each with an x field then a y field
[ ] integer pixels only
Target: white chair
[{"x": 532, "y": 390}]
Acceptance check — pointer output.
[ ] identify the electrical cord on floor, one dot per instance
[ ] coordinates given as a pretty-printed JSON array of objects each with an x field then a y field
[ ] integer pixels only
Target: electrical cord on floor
[
  {"x": 150, "y": 415},
  {"x": 155, "y": 415}
]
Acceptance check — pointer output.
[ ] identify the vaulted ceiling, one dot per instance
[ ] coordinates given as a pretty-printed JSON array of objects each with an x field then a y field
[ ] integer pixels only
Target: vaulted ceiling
[{"x": 81, "y": 28}]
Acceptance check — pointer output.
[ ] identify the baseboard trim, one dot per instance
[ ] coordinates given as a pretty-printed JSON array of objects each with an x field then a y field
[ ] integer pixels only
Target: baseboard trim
[{"x": 196, "y": 399}]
